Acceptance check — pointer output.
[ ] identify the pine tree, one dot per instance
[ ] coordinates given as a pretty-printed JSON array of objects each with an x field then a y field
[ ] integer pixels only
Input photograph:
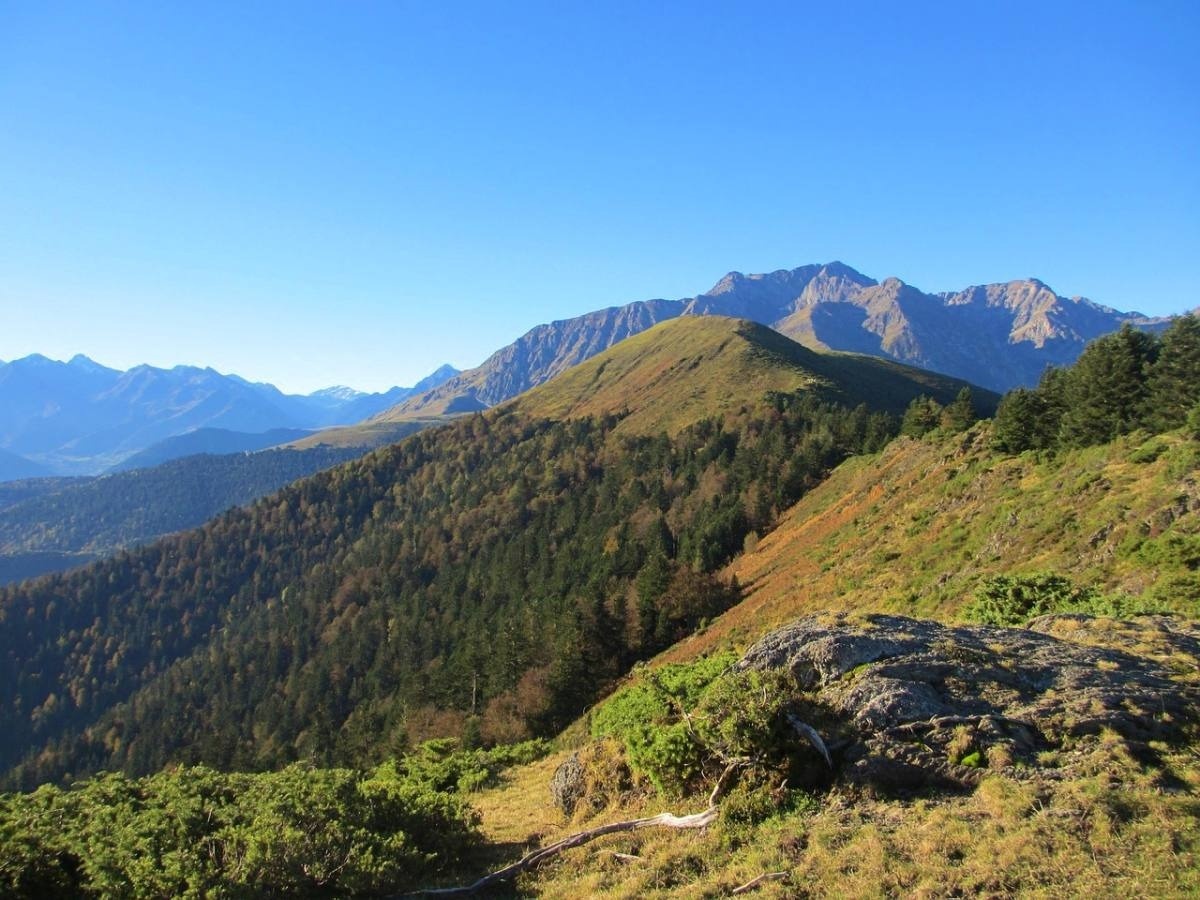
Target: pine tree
[
  {"x": 1107, "y": 388},
  {"x": 1022, "y": 423},
  {"x": 960, "y": 414},
  {"x": 1174, "y": 388},
  {"x": 922, "y": 416}
]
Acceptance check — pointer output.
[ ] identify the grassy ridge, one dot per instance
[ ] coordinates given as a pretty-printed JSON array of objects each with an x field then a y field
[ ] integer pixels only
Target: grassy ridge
[
  {"x": 916, "y": 528},
  {"x": 695, "y": 367}
]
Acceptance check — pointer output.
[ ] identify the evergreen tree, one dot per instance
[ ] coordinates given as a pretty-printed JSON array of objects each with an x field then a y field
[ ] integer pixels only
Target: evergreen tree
[
  {"x": 923, "y": 415},
  {"x": 1022, "y": 423},
  {"x": 960, "y": 414},
  {"x": 1174, "y": 379},
  {"x": 1107, "y": 388}
]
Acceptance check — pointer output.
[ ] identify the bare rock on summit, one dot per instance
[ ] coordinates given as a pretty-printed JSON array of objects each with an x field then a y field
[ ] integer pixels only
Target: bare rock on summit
[{"x": 907, "y": 703}]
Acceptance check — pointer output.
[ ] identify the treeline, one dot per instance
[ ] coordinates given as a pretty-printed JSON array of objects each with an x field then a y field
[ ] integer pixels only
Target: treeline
[
  {"x": 102, "y": 514},
  {"x": 1121, "y": 383},
  {"x": 487, "y": 579}
]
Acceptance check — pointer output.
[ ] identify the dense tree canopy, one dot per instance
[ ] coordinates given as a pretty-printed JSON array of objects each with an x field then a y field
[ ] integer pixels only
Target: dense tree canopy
[{"x": 489, "y": 577}]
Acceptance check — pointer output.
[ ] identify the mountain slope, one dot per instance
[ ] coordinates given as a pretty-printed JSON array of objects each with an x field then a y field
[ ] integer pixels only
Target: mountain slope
[
  {"x": 102, "y": 515},
  {"x": 542, "y": 353},
  {"x": 998, "y": 336},
  {"x": 915, "y": 529},
  {"x": 208, "y": 440},
  {"x": 15, "y": 468},
  {"x": 690, "y": 368},
  {"x": 506, "y": 564}
]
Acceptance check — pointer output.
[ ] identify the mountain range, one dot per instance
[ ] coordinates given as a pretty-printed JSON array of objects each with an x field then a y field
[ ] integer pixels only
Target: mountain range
[
  {"x": 466, "y": 548},
  {"x": 80, "y": 417},
  {"x": 668, "y": 499},
  {"x": 998, "y": 336}
]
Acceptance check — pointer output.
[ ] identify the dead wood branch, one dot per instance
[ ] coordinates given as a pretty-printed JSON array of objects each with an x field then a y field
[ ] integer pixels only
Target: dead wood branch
[
  {"x": 755, "y": 882},
  {"x": 536, "y": 857},
  {"x": 722, "y": 784},
  {"x": 807, "y": 731}
]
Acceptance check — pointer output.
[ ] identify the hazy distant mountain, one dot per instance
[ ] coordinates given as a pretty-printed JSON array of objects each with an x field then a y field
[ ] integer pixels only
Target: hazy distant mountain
[
  {"x": 80, "y": 417},
  {"x": 998, "y": 336},
  {"x": 208, "y": 440},
  {"x": 13, "y": 467},
  {"x": 100, "y": 515}
]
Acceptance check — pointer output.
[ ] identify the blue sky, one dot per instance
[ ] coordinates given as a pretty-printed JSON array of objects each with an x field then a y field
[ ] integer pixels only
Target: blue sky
[{"x": 356, "y": 192}]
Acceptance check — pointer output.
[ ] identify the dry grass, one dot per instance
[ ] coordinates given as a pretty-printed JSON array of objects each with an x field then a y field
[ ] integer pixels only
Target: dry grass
[
  {"x": 1117, "y": 830},
  {"x": 912, "y": 531}
]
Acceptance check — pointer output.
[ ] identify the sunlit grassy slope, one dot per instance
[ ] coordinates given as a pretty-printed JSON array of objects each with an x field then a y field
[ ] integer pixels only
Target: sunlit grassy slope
[
  {"x": 915, "y": 528},
  {"x": 1114, "y": 830},
  {"x": 689, "y": 368}
]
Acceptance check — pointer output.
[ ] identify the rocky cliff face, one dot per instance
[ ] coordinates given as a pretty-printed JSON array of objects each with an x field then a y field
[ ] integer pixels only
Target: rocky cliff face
[{"x": 998, "y": 336}]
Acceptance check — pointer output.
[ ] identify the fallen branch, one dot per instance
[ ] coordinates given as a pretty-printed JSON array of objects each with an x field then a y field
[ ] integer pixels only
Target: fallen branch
[
  {"x": 722, "y": 784},
  {"x": 811, "y": 734},
  {"x": 536, "y": 857},
  {"x": 755, "y": 882},
  {"x": 976, "y": 721}
]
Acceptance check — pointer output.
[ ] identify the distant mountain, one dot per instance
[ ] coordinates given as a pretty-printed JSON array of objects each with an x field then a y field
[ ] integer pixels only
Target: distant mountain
[
  {"x": 14, "y": 467},
  {"x": 21, "y": 489},
  {"x": 998, "y": 336},
  {"x": 208, "y": 440},
  {"x": 80, "y": 417},
  {"x": 535, "y": 358}
]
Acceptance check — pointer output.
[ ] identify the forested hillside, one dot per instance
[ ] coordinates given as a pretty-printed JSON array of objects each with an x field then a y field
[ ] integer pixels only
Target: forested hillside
[
  {"x": 72, "y": 520},
  {"x": 494, "y": 575}
]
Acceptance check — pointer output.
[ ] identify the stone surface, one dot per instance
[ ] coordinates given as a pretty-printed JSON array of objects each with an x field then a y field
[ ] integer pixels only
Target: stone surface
[
  {"x": 567, "y": 784},
  {"x": 901, "y": 701}
]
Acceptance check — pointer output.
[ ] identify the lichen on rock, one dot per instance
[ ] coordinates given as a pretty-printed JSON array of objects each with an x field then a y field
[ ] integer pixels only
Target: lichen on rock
[{"x": 906, "y": 701}]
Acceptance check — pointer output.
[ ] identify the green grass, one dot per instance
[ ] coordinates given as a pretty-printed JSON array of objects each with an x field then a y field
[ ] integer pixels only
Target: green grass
[{"x": 690, "y": 368}]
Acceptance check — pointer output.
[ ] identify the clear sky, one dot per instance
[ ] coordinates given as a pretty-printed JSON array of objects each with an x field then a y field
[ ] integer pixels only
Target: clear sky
[{"x": 356, "y": 192}]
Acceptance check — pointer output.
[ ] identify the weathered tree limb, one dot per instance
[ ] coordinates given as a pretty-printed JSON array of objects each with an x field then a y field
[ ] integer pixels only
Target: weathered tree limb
[
  {"x": 811, "y": 734},
  {"x": 947, "y": 721},
  {"x": 755, "y": 882},
  {"x": 535, "y": 857},
  {"x": 722, "y": 784}
]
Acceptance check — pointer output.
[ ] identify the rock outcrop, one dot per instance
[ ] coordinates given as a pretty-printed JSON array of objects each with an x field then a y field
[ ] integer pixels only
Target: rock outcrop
[{"x": 906, "y": 703}]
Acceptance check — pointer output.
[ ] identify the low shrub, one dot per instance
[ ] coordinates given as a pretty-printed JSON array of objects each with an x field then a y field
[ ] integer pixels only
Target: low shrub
[{"x": 1014, "y": 600}]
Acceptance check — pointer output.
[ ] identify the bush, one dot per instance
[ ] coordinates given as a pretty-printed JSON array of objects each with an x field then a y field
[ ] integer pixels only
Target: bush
[
  {"x": 196, "y": 832},
  {"x": 1013, "y": 600},
  {"x": 650, "y": 718},
  {"x": 683, "y": 722}
]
